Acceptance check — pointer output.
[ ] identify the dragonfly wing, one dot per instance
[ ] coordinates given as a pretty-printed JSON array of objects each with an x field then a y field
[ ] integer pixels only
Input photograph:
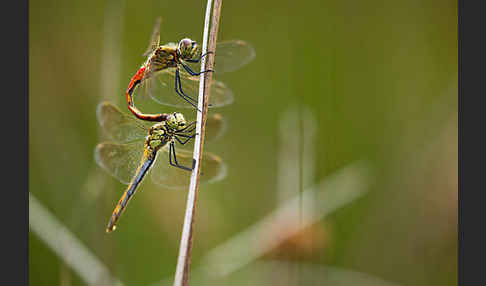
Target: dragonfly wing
[
  {"x": 161, "y": 88},
  {"x": 155, "y": 38},
  {"x": 163, "y": 174},
  {"x": 118, "y": 126},
  {"x": 215, "y": 127},
  {"x": 220, "y": 94},
  {"x": 232, "y": 55},
  {"x": 119, "y": 160}
]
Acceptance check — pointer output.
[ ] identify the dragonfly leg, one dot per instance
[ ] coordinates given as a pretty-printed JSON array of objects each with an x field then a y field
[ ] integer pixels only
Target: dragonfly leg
[
  {"x": 179, "y": 84},
  {"x": 187, "y": 131},
  {"x": 193, "y": 73},
  {"x": 185, "y": 136},
  {"x": 199, "y": 59},
  {"x": 178, "y": 87},
  {"x": 188, "y": 126},
  {"x": 172, "y": 153},
  {"x": 178, "y": 78},
  {"x": 179, "y": 140}
]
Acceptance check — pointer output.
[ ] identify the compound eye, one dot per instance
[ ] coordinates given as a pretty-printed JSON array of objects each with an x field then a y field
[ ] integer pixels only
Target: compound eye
[{"x": 186, "y": 42}]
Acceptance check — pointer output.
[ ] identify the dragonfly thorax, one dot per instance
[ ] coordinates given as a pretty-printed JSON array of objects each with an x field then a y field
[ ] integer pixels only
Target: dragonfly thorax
[
  {"x": 158, "y": 136},
  {"x": 163, "y": 132},
  {"x": 163, "y": 57}
]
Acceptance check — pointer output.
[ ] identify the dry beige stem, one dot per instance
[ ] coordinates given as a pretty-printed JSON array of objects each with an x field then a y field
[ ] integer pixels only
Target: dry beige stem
[{"x": 184, "y": 260}]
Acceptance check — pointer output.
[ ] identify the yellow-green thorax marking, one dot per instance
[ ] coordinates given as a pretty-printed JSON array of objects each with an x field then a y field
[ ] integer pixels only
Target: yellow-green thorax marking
[{"x": 162, "y": 133}]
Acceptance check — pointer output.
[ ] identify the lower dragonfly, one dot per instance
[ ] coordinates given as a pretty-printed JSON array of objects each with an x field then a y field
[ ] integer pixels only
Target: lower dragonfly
[
  {"x": 132, "y": 153},
  {"x": 170, "y": 67}
]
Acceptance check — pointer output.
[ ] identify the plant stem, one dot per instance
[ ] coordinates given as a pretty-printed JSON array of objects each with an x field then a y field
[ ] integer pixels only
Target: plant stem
[{"x": 184, "y": 260}]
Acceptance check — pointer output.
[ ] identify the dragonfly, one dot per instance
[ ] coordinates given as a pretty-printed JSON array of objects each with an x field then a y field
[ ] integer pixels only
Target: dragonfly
[
  {"x": 133, "y": 147},
  {"x": 171, "y": 67}
]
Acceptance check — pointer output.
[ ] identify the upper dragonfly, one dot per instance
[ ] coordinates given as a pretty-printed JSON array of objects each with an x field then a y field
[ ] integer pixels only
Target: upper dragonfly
[
  {"x": 133, "y": 147},
  {"x": 171, "y": 66}
]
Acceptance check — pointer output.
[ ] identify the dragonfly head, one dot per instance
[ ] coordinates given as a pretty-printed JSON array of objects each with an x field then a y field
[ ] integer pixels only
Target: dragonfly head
[
  {"x": 176, "y": 121},
  {"x": 188, "y": 49}
]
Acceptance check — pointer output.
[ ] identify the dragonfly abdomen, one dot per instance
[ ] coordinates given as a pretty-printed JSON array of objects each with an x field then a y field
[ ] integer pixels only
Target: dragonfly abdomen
[
  {"x": 136, "y": 80},
  {"x": 147, "y": 162}
]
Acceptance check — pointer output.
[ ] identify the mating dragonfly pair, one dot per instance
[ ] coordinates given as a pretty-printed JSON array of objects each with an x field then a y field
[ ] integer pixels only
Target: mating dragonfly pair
[{"x": 134, "y": 145}]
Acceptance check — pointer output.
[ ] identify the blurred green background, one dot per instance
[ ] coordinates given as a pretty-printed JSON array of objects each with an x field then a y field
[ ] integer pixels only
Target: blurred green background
[{"x": 380, "y": 78}]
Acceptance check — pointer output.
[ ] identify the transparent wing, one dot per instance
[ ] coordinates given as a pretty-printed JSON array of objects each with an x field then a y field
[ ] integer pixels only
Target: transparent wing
[
  {"x": 119, "y": 160},
  {"x": 216, "y": 126},
  {"x": 161, "y": 88},
  {"x": 163, "y": 174},
  {"x": 118, "y": 126},
  {"x": 155, "y": 38},
  {"x": 232, "y": 55}
]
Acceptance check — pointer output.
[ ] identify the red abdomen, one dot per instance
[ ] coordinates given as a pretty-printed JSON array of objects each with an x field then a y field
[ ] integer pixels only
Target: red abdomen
[{"x": 137, "y": 77}]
